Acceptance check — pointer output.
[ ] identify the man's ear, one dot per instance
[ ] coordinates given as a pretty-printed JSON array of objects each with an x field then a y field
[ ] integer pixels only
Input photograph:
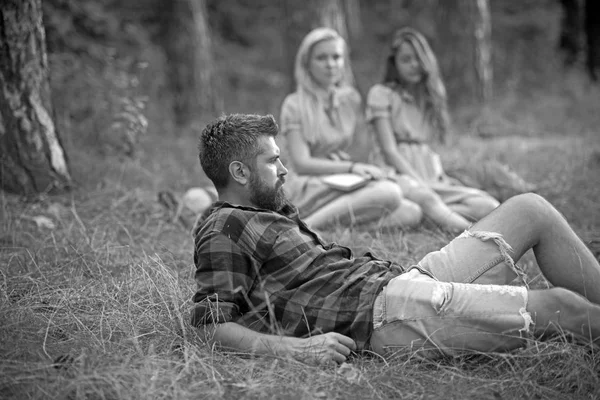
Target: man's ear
[{"x": 239, "y": 172}]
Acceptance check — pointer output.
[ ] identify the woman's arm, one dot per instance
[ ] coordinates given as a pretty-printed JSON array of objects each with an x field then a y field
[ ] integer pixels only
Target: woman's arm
[
  {"x": 321, "y": 348},
  {"x": 306, "y": 164},
  {"x": 387, "y": 143},
  {"x": 299, "y": 151}
]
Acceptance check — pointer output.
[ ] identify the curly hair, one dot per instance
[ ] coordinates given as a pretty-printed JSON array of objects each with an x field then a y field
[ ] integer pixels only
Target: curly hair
[{"x": 229, "y": 138}]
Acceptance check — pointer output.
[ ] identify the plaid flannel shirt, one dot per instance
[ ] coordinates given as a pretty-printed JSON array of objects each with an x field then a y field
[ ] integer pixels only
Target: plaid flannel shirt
[{"x": 269, "y": 272}]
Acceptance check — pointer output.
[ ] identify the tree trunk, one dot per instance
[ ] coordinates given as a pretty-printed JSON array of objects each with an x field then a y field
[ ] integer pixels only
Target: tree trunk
[
  {"x": 570, "y": 31},
  {"x": 291, "y": 29},
  {"x": 353, "y": 19},
  {"x": 189, "y": 52},
  {"x": 592, "y": 32},
  {"x": 32, "y": 159},
  {"x": 483, "y": 50},
  {"x": 463, "y": 47},
  {"x": 330, "y": 13}
]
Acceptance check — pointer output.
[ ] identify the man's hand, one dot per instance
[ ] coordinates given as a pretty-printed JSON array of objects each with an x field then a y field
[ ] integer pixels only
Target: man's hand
[
  {"x": 321, "y": 349},
  {"x": 324, "y": 348}
]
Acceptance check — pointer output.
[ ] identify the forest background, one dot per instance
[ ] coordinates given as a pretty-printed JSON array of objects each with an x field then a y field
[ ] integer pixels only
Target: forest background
[{"x": 96, "y": 283}]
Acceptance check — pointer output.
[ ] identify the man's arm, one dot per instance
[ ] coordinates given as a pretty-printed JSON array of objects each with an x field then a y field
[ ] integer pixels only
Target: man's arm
[{"x": 321, "y": 348}]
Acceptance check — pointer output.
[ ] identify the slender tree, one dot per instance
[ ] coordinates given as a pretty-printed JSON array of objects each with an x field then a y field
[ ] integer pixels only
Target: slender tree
[
  {"x": 570, "y": 31},
  {"x": 32, "y": 159},
  {"x": 580, "y": 30},
  {"x": 191, "y": 62},
  {"x": 464, "y": 47},
  {"x": 592, "y": 32},
  {"x": 353, "y": 19},
  {"x": 482, "y": 22},
  {"x": 331, "y": 13}
]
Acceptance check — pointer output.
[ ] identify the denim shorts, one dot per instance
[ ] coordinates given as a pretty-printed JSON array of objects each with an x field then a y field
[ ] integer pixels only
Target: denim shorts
[{"x": 453, "y": 301}]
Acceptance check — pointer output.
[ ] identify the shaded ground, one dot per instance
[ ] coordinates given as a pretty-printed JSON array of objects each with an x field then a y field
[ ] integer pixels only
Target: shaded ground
[{"x": 95, "y": 288}]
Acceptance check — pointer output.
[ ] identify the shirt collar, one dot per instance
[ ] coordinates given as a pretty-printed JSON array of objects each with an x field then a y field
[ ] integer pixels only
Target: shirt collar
[{"x": 288, "y": 211}]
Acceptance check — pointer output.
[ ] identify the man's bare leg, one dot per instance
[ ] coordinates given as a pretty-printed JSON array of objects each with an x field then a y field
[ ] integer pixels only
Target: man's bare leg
[
  {"x": 529, "y": 221},
  {"x": 557, "y": 309}
]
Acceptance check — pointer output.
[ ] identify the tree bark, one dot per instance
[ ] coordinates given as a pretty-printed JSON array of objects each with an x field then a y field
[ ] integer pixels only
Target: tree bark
[
  {"x": 592, "y": 32},
  {"x": 464, "y": 48},
  {"x": 32, "y": 159},
  {"x": 190, "y": 55},
  {"x": 483, "y": 49},
  {"x": 570, "y": 31},
  {"x": 353, "y": 19},
  {"x": 330, "y": 13}
]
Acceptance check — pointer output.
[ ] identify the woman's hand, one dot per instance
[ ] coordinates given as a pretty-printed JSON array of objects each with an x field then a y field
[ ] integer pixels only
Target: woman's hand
[
  {"x": 368, "y": 171},
  {"x": 339, "y": 155}
]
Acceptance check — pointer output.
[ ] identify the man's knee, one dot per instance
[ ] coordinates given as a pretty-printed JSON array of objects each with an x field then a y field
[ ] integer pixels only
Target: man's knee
[{"x": 532, "y": 206}]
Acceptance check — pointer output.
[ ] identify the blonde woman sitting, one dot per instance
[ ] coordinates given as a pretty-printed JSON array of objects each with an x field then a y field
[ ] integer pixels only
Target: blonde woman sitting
[
  {"x": 407, "y": 112},
  {"x": 318, "y": 122}
]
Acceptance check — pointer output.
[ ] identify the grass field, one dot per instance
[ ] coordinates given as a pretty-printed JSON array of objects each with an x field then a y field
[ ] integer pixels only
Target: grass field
[{"x": 96, "y": 284}]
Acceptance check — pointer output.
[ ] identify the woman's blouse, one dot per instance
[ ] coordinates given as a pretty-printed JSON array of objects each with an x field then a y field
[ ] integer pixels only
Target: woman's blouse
[
  {"x": 336, "y": 126},
  {"x": 400, "y": 107}
]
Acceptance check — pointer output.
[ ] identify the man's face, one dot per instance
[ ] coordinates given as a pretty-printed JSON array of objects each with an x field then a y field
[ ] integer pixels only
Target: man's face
[{"x": 267, "y": 177}]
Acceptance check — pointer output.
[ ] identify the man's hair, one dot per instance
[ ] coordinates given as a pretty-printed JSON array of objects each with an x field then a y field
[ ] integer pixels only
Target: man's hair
[{"x": 229, "y": 138}]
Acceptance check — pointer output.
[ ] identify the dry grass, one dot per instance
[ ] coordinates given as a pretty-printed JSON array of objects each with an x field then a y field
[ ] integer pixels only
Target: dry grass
[
  {"x": 97, "y": 305},
  {"x": 94, "y": 296}
]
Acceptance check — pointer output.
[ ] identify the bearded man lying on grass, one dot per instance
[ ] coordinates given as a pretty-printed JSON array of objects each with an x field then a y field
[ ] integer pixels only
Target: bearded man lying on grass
[{"x": 268, "y": 284}]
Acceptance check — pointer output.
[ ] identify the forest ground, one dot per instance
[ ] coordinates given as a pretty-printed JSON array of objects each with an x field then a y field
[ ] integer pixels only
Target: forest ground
[{"x": 96, "y": 285}]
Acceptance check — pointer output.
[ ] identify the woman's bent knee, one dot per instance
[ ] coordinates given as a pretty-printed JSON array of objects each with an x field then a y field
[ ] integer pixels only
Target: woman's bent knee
[
  {"x": 389, "y": 195},
  {"x": 412, "y": 214},
  {"x": 483, "y": 206},
  {"x": 385, "y": 193},
  {"x": 407, "y": 215},
  {"x": 424, "y": 196}
]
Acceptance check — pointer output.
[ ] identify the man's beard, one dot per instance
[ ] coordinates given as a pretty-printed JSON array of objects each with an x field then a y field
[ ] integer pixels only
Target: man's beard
[{"x": 263, "y": 196}]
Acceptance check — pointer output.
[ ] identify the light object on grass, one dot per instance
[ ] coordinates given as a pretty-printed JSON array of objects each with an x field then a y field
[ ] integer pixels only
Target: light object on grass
[
  {"x": 41, "y": 221},
  {"x": 198, "y": 199}
]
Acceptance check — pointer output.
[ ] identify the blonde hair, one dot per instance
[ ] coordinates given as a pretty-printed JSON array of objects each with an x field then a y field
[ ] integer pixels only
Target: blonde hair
[
  {"x": 312, "y": 97},
  {"x": 435, "y": 107}
]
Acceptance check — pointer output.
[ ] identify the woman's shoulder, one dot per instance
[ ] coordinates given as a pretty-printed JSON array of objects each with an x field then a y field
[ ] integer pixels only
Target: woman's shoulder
[
  {"x": 290, "y": 105},
  {"x": 380, "y": 89},
  {"x": 349, "y": 94},
  {"x": 291, "y": 99},
  {"x": 380, "y": 95}
]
